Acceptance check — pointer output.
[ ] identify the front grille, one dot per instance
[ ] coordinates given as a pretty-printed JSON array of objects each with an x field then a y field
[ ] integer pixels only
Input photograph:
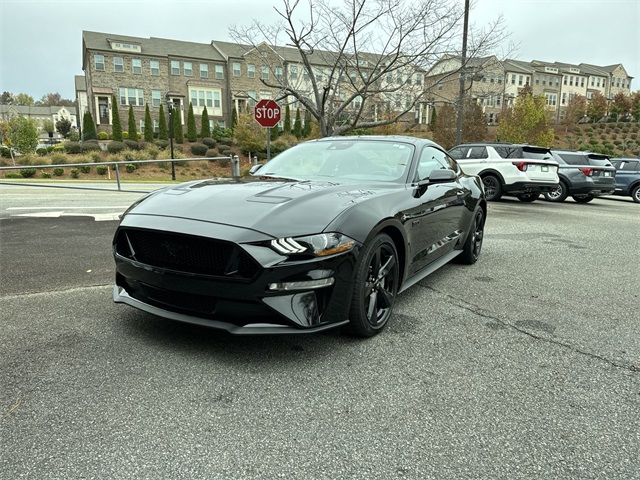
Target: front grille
[{"x": 185, "y": 253}]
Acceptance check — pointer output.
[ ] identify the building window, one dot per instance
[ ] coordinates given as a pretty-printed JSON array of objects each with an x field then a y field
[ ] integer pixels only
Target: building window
[
  {"x": 155, "y": 67},
  {"x": 156, "y": 99},
  {"x": 221, "y": 123},
  {"x": 305, "y": 74},
  {"x": 204, "y": 70},
  {"x": 418, "y": 79},
  {"x": 156, "y": 126},
  {"x": 564, "y": 98},
  {"x": 498, "y": 100},
  {"x": 251, "y": 71},
  {"x": 118, "y": 64},
  {"x": 252, "y": 97},
  {"x": 205, "y": 97},
  {"x": 598, "y": 83},
  {"x": 188, "y": 69},
  {"x": 537, "y": 79},
  {"x": 175, "y": 67},
  {"x": 278, "y": 73},
  {"x": 236, "y": 69},
  {"x": 557, "y": 81},
  {"x": 513, "y": 79},
  {"x": 219, "y": 72},
  {"x": 293, "y": 72},
  {"x": 136, "y": 66},
  {"x": 99, "y": 62},
  {"x": 571, "y": 80},
  {"x": 439, "y": 86},
  {"x": 265, "y": 73},
  {"x": 141, "y": 126},
  {"x": 131, "y": 96},
  {"x": 520, "y": 78},
  {"x": 564, "y": 80},
  {"x": 551, "y": 99},
  {"x": 604, "y": 83}
]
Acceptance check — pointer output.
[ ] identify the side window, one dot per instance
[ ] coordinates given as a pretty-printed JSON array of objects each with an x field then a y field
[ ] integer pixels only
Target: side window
[
  {"x": 458, "y": 152},
  {"x": 477, "y": 152},
  {"x": 618, "y": 164},
  {"x": 629, "y": 166},
  {"x": 432, "y": 159}
]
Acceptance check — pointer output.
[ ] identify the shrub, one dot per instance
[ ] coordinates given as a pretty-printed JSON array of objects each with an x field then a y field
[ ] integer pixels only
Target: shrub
[
  {"x": 92, "y": 157},
  {"x": 223, "y": 149},
  {"x": 45, "y": 175},
  {"x": 226, "y": 140},
  {"x": 634, "y": 136},
  {"x": 41, "y": 151},
  {"x": 28, "y": 172},
  {"x": 132, "y": 144},
  {"x": 103, "y": 136},
  {"x": 58, "y": 172},
  {"x": 130, "y": 168},
  {"x": 12, "y": 175},
  {"x": 209, "y": 142},
  {"x": 161, "y": 144},
  {"x": 614, "y": 136},
  {"x": 85, "y": 169},
  {"x": 90, "y": 146},
  {"x": 59, "y": 148},
  {"x": 58, "y": 159},
  {"x": 5, "y": 152},
  {"x": 151, "y": 152},
  {"x": 75, "y": 173},
  {"x": 212, "y": 152},
  {"x": 199, "y": 149},
  {"x": 71, "y": 147},
  {"x": 116, "y": 147},
  {"x": 102, "y": 169}
]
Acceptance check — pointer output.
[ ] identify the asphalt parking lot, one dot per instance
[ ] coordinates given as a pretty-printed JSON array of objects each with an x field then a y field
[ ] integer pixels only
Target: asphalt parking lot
[{"x": 525, "y": 365}]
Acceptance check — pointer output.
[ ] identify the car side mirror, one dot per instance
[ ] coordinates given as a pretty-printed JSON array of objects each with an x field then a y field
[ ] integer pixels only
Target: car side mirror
[
  {"x": 255, "y": 168},
  {"x": 442, "y": 175}
]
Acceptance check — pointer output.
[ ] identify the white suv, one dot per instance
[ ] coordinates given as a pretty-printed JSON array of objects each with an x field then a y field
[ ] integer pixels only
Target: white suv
[{"x": 505, "y": 168}]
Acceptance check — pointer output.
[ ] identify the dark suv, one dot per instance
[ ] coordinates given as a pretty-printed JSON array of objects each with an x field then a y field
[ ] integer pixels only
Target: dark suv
[
  {"x": 583, "y": 175},
  {"x": 627, "y": 177}
]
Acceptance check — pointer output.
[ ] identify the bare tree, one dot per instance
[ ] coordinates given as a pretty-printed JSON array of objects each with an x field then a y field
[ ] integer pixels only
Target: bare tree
[{"x": 361, "y": 59}]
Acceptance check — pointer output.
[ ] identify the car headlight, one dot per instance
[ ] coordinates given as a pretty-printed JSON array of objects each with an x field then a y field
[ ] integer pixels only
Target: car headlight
[{"x": 320, "y": 245}]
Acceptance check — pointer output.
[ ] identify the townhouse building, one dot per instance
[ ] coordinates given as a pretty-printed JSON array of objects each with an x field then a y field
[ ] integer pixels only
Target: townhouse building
[
  {"x": 495, "y": 84},
  {"x": 40, "y": 115},
  {"x": 223, "y": 76}
]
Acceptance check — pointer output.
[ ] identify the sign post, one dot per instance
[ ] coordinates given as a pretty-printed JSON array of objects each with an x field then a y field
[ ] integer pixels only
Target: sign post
[{"x": 267, "y": 114}]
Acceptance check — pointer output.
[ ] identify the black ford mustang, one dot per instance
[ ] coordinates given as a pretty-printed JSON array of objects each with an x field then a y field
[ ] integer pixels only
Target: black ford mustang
[{"x": 324, "y": 235}]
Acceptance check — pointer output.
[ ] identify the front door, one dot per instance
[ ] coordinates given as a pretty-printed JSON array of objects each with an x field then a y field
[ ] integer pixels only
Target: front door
[{"x": 103, "y": 110}]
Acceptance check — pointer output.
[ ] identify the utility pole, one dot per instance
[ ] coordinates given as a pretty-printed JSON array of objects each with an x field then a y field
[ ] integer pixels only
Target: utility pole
[{"x": 463, "y": 70}]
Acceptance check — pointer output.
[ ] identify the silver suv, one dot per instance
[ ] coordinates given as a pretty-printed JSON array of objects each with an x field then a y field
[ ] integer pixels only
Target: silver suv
[
  {"x": 525, "y": 171},
  {"x": 583, "y": 175}
]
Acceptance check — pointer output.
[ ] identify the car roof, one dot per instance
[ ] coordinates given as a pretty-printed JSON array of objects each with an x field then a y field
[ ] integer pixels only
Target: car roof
[{"x": 379, "y": 138}]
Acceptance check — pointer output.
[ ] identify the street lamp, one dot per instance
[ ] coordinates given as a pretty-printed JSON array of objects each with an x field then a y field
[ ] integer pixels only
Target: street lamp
[
  {"x": 463, "y": 70},
  {"x": 170, "y": 108}
]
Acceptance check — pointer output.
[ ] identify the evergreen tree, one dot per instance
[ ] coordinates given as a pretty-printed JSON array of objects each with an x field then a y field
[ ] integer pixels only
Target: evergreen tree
[
  {"x": 163, "y": 131},
  {"x": 234, "y": 118},
  {"x": 287, "y": 120},
  {"x": 297, "y": 125},
  {"x": 434, "y": 118},
  {"x": 178, "y": 133},
  {"x": 133, "y": 131},
  {"x": 192, "y": 132},
  {"x": 88, "y": 127},
  {"x": 275, "y": 132},
  {"x": 116, "y": 127},
  {"x": 148, "y": 125},
  {"x": 205, "y": 131},
  {"x": 306, "y": 130}
]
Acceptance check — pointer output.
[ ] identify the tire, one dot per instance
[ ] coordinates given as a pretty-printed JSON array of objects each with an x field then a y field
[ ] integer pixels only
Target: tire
[
  {"x": 636, "y": 194},
  {"x": 492, "y": 187},
  {"x": 583, "y": 198},
  {"x": 528, "y": 197},
  {"x": 376, "y": 285},
  {"x": 559, "y": 194},
  {"x": 473, "y": 243}
]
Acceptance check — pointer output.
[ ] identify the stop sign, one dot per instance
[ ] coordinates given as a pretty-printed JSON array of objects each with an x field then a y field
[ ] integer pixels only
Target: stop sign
[{"x": 267, "y": 113}]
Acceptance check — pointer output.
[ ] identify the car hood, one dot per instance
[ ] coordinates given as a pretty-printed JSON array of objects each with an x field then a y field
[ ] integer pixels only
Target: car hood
[{"x": 274, "y": 207}]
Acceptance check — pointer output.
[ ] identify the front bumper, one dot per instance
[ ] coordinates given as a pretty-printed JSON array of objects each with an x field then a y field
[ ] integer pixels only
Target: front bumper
[{"x": 249, "y": 300}]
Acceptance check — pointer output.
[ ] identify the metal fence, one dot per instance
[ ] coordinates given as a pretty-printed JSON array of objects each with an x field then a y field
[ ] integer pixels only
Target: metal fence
[{"x": 234, "y": 163}]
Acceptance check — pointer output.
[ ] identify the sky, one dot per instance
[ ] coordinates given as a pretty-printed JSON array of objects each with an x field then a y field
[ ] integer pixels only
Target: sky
[{"x": 41, "y": 40}]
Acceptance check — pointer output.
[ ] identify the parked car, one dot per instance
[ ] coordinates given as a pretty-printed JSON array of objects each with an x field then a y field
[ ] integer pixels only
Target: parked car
[
  {"x": 583, "y": 175},
  {"x": 505, "y": 168},
  {"x": 324, "y": 235},
  {"x": 627, "y": 177}
]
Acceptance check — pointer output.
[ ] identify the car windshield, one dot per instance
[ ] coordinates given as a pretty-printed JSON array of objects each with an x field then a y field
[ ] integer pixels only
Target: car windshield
[{"x": 360, "y": 160}]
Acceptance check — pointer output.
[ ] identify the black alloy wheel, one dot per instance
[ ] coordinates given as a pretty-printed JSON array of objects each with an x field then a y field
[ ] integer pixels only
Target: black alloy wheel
[
  {"x": 473, "y": 244},
  {"x": 492, "y": 187},
  {"x": 376, "y": 286}
]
